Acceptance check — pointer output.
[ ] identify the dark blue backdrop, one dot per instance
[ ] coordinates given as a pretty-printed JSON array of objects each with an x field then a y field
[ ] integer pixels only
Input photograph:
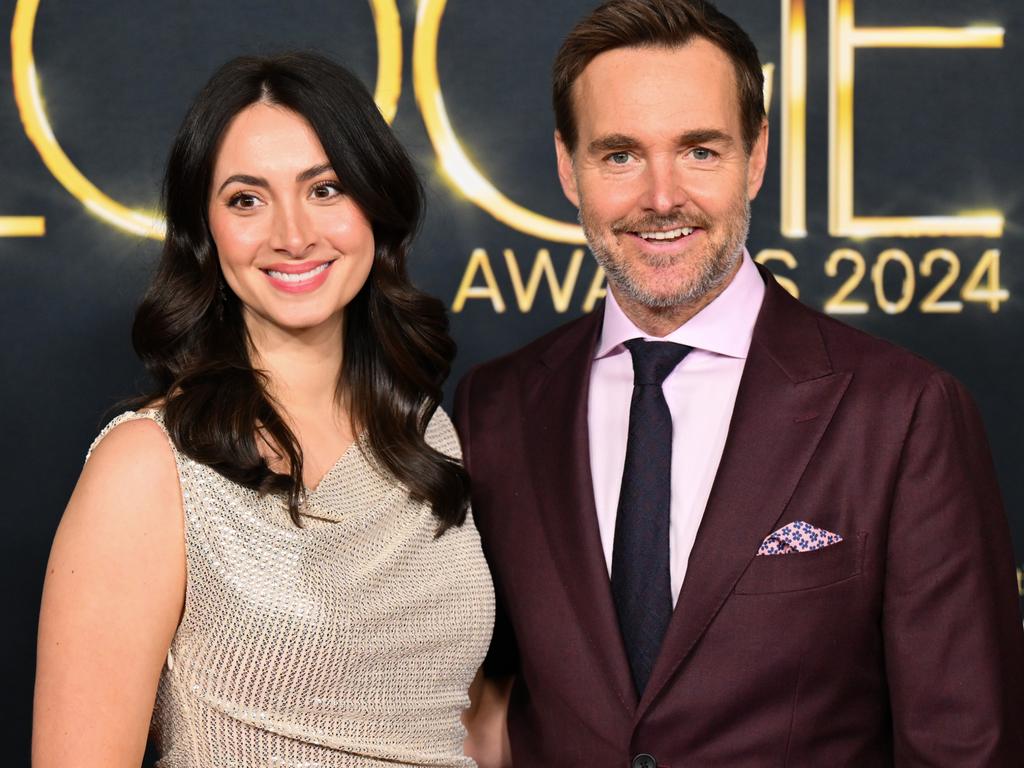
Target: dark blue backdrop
[{"x": 935, "y": 133}]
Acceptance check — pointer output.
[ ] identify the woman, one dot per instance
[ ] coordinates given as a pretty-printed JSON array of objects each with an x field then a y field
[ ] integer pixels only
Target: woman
[{"x": 292, "y": 576}]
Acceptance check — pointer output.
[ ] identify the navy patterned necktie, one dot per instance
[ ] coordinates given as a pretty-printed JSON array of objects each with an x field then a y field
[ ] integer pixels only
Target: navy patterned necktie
[{"x": 641, "y": 584}]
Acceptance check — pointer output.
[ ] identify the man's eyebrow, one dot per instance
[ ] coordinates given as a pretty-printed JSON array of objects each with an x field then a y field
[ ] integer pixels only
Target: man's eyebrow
[
  {"x": 612, "y": 142},
  {"x": 705, "y": 136},
  {"x": 259, "y": 181},
  {"x": 620, "y": 141}
]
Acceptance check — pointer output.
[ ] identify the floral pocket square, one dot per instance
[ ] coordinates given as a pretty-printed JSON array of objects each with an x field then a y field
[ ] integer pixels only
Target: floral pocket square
[{"x": 798, "y": 536}]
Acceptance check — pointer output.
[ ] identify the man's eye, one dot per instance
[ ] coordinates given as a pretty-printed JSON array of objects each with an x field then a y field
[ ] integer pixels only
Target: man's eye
[
  {"x": 618, "y": 158},
  {"x": 702, "y": 153}
]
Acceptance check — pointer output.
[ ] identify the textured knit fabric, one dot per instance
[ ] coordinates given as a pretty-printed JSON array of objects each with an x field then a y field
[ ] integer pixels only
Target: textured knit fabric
[{"x": 348, "y": 642}]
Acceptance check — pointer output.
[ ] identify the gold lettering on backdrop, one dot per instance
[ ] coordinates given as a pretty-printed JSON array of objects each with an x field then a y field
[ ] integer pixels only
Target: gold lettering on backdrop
[
  {"x": 794, "y": 120},
  {"x": 31, "y": 107},
  {"x": 893, "y": 281},
  {"x": 22, "y": 226},
  {"x": 846, "y": 39},
  {"x": 479, "y": 282},
  {"x": 839, "y": 303},
  {"x": 455, "y": 163},
  {"x": 480, "y": 262},
  {"x": 561, "y": 295},
  {"x": 987, "y": 272},
  {"x": 982, "y": 285},
  {"x": 769, "y": 255},
  {"x": 933, "y": 303},
  {"x": 878, "y": 278}
]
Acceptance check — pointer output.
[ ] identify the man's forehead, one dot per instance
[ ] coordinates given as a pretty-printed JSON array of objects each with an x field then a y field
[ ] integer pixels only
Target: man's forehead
[
  {"x": 699, "y": 58},
  {"x": 637, "y": 85}
]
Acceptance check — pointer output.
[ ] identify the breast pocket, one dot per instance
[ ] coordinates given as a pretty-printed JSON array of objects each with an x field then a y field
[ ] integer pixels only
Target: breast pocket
[{"x": 798, "y": 571}]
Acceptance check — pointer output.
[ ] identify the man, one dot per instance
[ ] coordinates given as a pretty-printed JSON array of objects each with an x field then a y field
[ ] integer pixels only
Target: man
[{"x": 725, "y": 529}]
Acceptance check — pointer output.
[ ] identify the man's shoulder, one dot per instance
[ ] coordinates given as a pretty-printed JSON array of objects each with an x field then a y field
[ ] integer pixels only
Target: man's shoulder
[
  {"x": 857, "y": 349},
  {"x": 550, "y": 348},
  {"x": 890, "y": 380},
  {"x": 848, "y": 349}
]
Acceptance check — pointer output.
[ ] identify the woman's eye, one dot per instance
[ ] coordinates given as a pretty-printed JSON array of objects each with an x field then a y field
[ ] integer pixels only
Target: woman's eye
[
  {"x": 326, "y": 190},
  {"x": 244, "y": 201}
]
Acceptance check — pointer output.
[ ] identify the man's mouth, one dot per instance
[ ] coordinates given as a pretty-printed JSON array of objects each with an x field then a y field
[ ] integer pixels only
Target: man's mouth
[{"x": 665, "y": 235}]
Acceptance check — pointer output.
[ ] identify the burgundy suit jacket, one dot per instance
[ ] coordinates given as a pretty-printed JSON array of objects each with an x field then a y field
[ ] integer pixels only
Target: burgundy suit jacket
[{"x": 901, "y": 645}]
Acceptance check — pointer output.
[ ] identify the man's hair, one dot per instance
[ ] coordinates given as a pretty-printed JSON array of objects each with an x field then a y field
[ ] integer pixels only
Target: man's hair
[{"x": 663, "y": 23}]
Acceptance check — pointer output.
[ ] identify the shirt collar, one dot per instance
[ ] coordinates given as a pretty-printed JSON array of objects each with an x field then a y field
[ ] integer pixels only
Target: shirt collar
[{"x": 725, "y": 326}]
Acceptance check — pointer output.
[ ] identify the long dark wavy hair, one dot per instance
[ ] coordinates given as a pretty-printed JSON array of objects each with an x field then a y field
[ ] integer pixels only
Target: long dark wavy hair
[{"x": 189, "y": 329}]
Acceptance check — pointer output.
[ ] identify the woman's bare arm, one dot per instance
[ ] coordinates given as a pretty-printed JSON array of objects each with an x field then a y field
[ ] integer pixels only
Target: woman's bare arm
[
  {"x": 485, "y": 721},
  {"x": 113, "y": 596}
]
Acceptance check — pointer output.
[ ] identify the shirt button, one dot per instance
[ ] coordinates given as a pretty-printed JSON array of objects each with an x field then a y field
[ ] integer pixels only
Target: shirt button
[{"x": 644, "y": 761}]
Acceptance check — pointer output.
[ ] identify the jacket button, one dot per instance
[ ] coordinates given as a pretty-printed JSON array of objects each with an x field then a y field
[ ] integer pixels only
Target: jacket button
[{"x": 644, "y": 761}]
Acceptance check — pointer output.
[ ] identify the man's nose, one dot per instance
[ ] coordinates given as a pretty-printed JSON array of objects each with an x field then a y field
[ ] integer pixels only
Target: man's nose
[
  {"x": 665, "y": 188},
  {"x": 292, "y": 232}
]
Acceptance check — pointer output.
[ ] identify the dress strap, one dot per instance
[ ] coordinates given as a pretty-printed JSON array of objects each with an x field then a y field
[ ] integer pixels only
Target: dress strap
[{"x": 153, "y": 414}]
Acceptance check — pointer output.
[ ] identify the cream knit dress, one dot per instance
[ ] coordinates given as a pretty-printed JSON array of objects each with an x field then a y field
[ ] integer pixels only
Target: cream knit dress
[{"x": 348, "y": 642}]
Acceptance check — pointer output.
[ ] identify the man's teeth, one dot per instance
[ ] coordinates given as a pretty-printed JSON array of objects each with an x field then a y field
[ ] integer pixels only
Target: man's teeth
[
  {"x": 298, "y": 277},
  {"x": 672, "y": 234}
]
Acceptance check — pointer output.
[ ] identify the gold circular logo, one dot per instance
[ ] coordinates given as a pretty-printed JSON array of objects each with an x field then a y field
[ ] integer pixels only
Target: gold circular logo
[
  {"x": 29, "y": 98},
  {"x": 454, "y": 161}
]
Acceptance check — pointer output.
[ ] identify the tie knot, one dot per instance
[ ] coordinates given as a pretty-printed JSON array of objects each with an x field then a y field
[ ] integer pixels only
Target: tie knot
[{"x": 653, "y": 361}]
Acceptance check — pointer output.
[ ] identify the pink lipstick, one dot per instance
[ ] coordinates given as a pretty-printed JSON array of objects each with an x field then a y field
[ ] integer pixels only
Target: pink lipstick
[{"x": 298, "y": 277}]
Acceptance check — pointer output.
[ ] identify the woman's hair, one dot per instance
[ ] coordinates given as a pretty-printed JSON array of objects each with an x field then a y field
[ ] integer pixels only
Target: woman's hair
[{"x": 189, "y": 330}]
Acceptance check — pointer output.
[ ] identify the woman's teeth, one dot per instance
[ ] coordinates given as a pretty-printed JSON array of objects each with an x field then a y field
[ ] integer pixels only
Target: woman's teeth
[{"x": 298, "y": 277}]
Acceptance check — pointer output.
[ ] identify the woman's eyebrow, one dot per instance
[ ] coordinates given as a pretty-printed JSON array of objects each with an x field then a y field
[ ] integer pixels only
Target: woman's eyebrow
[
  {"x": 259, "y": 181},
  {"x": 243, "y": 178}
]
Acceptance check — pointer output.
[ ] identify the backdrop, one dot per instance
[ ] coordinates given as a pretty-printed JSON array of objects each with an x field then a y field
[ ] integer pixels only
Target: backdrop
[{"x": 892, "y": 198}]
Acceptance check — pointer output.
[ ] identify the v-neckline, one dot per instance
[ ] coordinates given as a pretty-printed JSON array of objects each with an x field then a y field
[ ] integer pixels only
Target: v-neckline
[{"x": 354, "y": 445}]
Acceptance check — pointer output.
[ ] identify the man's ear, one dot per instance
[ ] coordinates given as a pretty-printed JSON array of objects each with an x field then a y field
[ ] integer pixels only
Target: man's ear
[
  {"x": 566, "y": 175},
  {"x": 757, "y": 162}
]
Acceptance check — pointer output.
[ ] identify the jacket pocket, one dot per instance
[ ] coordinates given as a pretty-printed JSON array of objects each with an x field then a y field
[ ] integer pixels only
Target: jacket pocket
[{"x": 797, "y": 571}]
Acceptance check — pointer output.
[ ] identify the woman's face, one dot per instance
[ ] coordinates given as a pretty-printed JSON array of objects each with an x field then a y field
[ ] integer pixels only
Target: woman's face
[{"x": 292, "y": 246}]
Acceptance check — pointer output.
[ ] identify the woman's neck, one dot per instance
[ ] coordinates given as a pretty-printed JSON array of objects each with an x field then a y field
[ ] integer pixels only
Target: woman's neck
[{"x": 303, "y": 367}]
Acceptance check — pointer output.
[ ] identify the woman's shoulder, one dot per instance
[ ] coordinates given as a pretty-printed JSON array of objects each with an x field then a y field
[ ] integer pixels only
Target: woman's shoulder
[
  {"x": 441, "y": 435},
  {"x": 130, "y": 480},
  {"x": 136, "y": 439}
]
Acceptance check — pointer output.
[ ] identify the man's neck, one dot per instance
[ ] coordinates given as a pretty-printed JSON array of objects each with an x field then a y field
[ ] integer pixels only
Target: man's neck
[{"x": 661, "y": 321}]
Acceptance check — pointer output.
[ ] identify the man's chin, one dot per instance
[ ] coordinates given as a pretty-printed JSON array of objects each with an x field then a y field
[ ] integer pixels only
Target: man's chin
[{"x": 655, "y": 298}]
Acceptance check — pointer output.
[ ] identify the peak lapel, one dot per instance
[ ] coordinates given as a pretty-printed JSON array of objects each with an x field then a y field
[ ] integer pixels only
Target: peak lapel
[
  {"x": 555, "y": 397},
  {"x": 785, "y": 402}
]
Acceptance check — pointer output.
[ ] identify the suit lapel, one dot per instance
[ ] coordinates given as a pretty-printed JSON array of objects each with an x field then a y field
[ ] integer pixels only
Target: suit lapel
[
  {"x": 555, "y": 396},
  {"x": 785, "y": 402}
]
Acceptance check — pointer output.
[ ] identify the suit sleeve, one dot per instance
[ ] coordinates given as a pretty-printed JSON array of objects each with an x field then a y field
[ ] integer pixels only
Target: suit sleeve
[
  {"x": 502, "y": 656},
  {"x": 954, "y": 645}
]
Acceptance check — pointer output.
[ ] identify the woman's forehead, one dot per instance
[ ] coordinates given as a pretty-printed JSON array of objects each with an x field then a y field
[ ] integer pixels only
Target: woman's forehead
[{"x": 268, "y": 138}]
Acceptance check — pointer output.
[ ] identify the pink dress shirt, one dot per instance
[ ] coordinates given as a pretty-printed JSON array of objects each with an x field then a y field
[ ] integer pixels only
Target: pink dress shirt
[{"x": 701, "y": 393}]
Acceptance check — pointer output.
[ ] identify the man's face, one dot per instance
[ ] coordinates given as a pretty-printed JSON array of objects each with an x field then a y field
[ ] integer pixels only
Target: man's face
[{"x": 660, "y": 173}]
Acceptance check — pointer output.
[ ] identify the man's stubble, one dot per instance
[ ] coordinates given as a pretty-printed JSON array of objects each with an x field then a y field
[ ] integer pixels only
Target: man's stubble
[{"x": 718, "y": 261}]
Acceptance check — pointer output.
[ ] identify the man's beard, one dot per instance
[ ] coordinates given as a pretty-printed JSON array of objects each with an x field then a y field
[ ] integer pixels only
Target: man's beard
[{"x": 713, "y": 269}]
